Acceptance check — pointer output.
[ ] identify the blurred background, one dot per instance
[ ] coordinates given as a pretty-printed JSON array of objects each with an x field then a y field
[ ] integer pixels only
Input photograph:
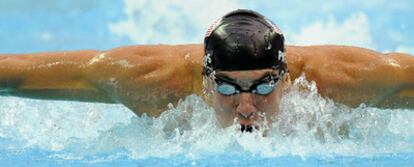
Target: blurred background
[{"x": 36, "y": 26}]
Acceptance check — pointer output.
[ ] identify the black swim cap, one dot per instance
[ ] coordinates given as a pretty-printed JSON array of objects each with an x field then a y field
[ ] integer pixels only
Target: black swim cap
[{"x": 243, "y": 40}]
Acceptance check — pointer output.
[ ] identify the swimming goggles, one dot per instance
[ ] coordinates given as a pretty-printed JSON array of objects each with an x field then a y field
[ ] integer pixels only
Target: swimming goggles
[{"x": 264, "y": 86}]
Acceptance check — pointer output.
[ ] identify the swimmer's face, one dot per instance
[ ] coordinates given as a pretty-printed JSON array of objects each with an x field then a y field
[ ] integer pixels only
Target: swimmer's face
[{"x": 247, "y": 108}]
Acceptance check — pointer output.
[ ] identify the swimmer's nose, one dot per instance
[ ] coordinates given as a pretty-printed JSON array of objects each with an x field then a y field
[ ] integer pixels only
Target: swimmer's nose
[{"x": 246, "y": 107}]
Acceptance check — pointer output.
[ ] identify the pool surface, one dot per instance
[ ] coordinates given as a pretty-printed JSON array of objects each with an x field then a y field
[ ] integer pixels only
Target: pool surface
[{"x": 309, "y": 131}]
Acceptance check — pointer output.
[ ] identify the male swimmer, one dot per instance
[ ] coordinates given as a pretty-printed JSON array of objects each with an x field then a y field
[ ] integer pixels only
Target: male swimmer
[{"x": 244, "y": 71}]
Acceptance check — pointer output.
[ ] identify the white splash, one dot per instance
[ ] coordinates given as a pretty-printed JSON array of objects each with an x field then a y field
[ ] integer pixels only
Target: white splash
[{"x": 307, "y": 125}]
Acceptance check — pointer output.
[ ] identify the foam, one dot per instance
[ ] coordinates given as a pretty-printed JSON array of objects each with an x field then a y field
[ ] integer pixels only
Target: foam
[{"x": 307, "y": 125}]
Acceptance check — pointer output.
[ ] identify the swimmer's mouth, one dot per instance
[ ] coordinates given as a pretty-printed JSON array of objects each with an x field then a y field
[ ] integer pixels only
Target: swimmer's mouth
[{"x": 248, "y": 128}]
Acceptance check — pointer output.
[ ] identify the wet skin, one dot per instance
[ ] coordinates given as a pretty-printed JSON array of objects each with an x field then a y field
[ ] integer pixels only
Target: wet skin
[
  {"x": 248, "y": 109},
  {"x": 146, "y": 78}
]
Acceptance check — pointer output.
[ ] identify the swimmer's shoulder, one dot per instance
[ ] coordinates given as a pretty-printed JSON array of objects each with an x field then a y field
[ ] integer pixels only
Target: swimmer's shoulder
[
  {"x": 327, "y": 51},
  {"x": 302, "y": 59},
  {"x": 150, "y": 56},
  {"x": 145, "y": 77}
]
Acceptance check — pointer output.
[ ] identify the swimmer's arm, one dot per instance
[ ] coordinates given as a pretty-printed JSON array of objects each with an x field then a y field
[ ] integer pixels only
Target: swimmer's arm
[
  {"x": 54, "y": 76},
  {"x": 397, "y": 89},
  {"x": 147, "y": 78},
  {"x": 378, "y": 80},
  {"x": 353, "y": 76},
  {"x": 143, "y": 78}
]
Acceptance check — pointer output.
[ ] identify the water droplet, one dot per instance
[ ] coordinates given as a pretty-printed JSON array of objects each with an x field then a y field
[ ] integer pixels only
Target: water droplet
[{"x": 269, "y": 46}]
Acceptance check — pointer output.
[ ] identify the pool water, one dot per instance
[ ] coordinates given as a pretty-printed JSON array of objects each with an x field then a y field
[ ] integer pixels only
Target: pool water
[{"x": 309, "y": 131}]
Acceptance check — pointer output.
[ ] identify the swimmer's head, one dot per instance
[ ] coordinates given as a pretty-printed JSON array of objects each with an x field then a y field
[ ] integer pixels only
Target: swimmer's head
[
  {"x": 245, "y": 72},
  {"x": 243, "y": 40}
]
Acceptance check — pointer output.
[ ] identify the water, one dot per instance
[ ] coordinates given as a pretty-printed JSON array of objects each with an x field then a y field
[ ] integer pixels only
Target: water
[{"x": 310, "y": 131}]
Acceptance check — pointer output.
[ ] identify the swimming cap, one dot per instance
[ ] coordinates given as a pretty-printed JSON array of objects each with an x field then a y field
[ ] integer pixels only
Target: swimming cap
[{"x": 243, "y": 40}]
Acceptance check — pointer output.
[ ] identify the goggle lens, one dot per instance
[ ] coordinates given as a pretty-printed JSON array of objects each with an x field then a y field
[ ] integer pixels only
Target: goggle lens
[
  {"x": 228, "y": 89},
  {"x": 264, "y": 89}
]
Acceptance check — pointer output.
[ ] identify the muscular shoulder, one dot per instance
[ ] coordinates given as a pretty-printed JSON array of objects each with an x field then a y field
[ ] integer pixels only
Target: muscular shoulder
[
  {"x": 315, "y": 58},
  {"x": 149, "y": 76},
  {"x": 145, "y": 58},
  {"x": 346, "y": 53}
]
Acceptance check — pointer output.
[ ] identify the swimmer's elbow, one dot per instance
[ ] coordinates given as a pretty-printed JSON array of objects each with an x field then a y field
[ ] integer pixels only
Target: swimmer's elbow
[
  {"x": 8, "y": 84},
  {"x": 406, "y": 96},
  {"x": 5, "y": 91},
  {"x": 10, "y": 77},
  {"x": 402, "y": 98}
]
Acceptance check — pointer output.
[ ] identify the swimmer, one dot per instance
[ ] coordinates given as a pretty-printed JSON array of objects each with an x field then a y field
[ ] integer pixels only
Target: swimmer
[{"x": 242, "y": 71}]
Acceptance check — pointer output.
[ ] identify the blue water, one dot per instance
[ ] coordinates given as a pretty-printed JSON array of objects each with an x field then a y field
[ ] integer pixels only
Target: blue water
[
  {"x": 42, "y": 158},
  {"x": 309, "y": 131}
]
